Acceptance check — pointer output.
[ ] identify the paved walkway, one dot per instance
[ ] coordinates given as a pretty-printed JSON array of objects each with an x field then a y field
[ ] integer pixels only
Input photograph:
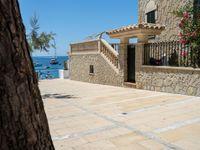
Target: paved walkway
[{"x": 85, "y": 116}]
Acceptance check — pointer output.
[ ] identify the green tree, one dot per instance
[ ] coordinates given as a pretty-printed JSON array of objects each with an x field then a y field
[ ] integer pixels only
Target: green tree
[{"x": 40, "y": 41}]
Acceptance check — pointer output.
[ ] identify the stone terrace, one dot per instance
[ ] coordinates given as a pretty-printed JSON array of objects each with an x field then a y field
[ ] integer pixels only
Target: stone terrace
[{"x": 85, "y": 116}]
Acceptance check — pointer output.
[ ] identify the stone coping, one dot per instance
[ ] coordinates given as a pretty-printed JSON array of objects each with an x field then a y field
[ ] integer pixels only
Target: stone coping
[
  {"x": 136, "y": 27},
  {"x": 171, "y": 68},
  {"x": 86, "y": 41}
]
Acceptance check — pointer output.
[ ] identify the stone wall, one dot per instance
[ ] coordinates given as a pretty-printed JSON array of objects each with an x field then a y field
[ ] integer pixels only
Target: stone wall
[
  {"x": 173, "y": 80},
  {"x": 103, "y": 72},
  {"x": 164, "y": 17}
]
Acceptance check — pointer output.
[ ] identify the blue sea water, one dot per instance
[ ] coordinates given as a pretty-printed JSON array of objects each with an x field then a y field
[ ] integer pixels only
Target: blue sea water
[{"x": 45, "y": 69}]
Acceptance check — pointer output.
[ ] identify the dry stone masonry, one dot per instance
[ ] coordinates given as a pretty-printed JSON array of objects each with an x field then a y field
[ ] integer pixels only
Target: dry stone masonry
[
  {"x": 90, "y": 54},
  {"x": 172, "y": 80},
  {"x": 164, "y": 16}
]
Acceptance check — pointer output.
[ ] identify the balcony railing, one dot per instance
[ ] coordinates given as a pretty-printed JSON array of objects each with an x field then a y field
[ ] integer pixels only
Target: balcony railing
[
  {"x": 109, "y": 52},
  {"x": 171, "y": 53},
  {"x": 116, "y": 46}
]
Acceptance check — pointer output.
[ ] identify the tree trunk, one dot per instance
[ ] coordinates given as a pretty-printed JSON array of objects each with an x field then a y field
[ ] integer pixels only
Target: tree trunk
[{"x": 23, "y": 122}]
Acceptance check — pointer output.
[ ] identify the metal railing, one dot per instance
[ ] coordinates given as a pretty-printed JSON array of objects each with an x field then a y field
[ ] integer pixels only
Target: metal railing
[{"x": 171, "y": 53}]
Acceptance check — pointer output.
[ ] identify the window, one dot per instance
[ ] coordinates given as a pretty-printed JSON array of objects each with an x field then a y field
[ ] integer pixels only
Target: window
[
  {"x": 151, "y": 12},
  {"x": 151, "y": 17},
  {"x": 196, "y": 10},
  {"x": 91, "y": 69},
  {"x": 198, "y": 2}
]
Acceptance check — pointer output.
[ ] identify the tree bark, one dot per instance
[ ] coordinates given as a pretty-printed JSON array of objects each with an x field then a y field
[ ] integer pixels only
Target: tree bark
[{"x": 23, "y": 122}]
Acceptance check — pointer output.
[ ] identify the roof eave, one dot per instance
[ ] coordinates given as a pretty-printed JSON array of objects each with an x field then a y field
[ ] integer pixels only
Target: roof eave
[{"x": 135, "y": 33}]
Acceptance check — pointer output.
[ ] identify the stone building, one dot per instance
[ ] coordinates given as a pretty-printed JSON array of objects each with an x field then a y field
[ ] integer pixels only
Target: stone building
[
  {"x": 161, "y": 12},
  {"x": 155, "y": 62}
]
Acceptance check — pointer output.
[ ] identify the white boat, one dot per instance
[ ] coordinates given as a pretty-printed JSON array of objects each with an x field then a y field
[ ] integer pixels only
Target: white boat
[{"x": 54, "y": 60}]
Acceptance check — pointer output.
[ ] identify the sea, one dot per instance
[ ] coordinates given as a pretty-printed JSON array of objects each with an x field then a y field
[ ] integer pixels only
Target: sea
[{"x": 45, "y": 70}]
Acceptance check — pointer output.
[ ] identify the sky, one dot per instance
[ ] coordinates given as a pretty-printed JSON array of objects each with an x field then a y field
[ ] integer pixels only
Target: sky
[{"x": 74, "y": 20}]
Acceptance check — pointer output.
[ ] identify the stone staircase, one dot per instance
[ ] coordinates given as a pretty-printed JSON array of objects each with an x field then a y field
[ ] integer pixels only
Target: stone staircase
[{"x": 109, "y": 54}]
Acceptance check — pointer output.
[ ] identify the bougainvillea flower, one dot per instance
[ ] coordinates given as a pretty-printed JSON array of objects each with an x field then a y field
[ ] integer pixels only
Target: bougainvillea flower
[
  {"x": 183, "y": 41},
  {"x": 194, "y": 34},
  {"x": 181, "y": 34},
  {"x": 184, "y": 53},
  {"x": 186, "y": 14},
  {"x": 188, "y": 34}
]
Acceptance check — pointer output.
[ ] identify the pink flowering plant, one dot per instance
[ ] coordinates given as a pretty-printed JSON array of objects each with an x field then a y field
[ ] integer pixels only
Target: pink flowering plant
[{"x": 190, "y": 32}]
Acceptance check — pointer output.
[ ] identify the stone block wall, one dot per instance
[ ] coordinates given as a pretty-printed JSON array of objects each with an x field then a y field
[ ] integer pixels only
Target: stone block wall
[
  {"x": 164, "y": 17},
  {"x": 172, "y": 80},
  {"x": 103, "y": 72}
]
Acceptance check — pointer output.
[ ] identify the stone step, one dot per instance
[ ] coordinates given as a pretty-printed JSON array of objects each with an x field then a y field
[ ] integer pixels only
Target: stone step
[{"x": 129, "y": 84}]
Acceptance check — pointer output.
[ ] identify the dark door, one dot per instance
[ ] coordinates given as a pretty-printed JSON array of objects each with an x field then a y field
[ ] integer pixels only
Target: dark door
[{"x": 131, "y": 63}]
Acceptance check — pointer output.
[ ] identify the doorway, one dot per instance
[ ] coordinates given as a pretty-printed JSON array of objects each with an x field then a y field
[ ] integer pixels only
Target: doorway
[{"x": 131, "y": 63}]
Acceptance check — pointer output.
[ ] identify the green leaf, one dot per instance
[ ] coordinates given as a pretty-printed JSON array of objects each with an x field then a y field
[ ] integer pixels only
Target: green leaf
[{"x": 40, "y": 41}]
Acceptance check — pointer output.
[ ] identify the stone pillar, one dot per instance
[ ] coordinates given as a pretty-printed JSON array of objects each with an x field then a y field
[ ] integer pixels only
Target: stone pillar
[
  {"x": 139, "y": 49},
  {"x": 123, "y": 57},
  {"x": 139, "y": 56}
]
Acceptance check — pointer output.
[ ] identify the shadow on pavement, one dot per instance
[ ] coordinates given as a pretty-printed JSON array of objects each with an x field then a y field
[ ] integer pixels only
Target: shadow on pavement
[{"x": 58, "y": 96}]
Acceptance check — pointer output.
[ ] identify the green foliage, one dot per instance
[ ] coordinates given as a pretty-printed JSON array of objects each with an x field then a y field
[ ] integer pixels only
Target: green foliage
[
  {"x": 190, "y": 30},
  {"x": 40, "y": 41}
]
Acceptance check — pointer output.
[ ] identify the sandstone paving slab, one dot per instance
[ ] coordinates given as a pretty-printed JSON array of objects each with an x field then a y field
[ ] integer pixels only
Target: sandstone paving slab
[
  {"x": 85, "y": 116},
  {"x": 187, "y": 137}
]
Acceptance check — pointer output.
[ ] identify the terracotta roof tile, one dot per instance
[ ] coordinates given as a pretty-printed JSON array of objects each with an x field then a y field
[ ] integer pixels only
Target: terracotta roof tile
[{"x": 137, "y": 26}]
